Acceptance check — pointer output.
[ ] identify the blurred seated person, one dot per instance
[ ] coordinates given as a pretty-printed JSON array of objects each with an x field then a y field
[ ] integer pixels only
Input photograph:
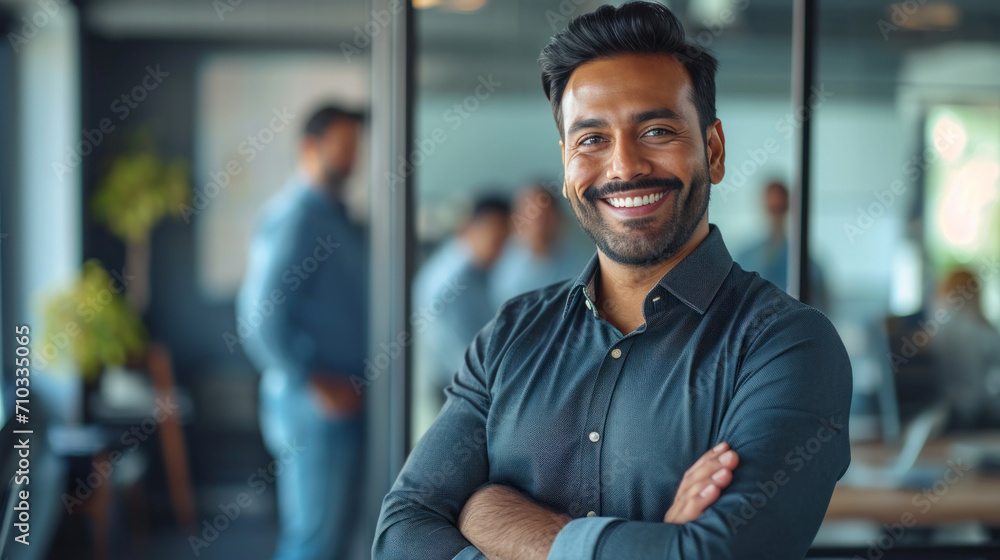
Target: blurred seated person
[
  {"x": 967, "y": 351},
  {"x": 452, "y": 289},
  {"x": 538, "y": 253},
  {"x": 769, "y": 256}
]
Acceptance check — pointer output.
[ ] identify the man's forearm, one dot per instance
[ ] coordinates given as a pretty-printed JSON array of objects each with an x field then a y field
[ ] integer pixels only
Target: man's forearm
[{"x": 504, "y": 524}]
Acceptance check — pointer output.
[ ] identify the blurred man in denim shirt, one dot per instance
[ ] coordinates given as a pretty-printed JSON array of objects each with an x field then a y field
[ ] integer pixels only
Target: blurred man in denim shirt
[
  {"x": 456, "y": 279},
  {"x": 305, "y": 297},
  {"x": 539, "y": 253}
]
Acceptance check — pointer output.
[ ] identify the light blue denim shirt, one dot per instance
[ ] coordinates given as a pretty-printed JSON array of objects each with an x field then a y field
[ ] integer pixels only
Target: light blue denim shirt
[{"x": 303, "y": 302}]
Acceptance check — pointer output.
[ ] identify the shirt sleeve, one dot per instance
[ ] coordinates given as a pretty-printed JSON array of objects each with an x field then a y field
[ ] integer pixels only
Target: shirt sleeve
[
  {"x": 420, "y": 512},
  {"x": 788, "y": 422},
  {"x": 272, "y": 296}
]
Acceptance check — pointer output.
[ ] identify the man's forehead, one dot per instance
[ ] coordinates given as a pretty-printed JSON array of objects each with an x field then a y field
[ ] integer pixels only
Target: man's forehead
[{"x": 656, "y": 79}]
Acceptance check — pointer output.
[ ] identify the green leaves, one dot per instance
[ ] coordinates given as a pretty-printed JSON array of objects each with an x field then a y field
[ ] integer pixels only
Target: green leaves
[
  {"x": 92, "y": 324},
  {"x": 139, "y": 190}
]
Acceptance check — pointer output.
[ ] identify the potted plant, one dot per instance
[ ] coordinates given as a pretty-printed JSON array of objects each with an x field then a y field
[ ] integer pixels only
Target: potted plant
[
  {"x": 139, "y": 190},
  {"x": 92, "y": 325}
]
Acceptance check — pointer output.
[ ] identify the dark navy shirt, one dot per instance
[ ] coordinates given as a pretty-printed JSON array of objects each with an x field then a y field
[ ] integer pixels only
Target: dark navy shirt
[{"x": 599, "y": 425}]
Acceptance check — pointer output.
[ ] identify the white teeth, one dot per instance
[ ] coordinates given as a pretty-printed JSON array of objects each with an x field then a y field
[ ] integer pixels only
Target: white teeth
[{"x": 632, "y": 202}]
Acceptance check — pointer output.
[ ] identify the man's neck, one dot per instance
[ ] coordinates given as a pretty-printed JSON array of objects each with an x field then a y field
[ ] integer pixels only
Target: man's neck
[
  {"x": 777, "y": 229},
  {"x": 621, "y": 289},
  {"x": 315, "y": 181}
]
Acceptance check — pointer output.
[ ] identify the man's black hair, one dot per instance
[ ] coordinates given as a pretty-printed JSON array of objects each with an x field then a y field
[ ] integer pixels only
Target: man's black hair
[
  {"x": 325, "y": 116},
  {"x": 488, "y": 204},
  {"x": 632, "y": 28}
]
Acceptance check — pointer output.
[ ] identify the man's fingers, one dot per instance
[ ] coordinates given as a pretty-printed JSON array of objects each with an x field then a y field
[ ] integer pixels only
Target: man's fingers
[
  {"x": 703, "y": 483},
  {"x": 710, "y": 454},
  {"x": 729, "y": 459},
  {"x": 722, "y": 477},
  {"x": 694, "y": 504},
  {"x": 708, "y": 465}
]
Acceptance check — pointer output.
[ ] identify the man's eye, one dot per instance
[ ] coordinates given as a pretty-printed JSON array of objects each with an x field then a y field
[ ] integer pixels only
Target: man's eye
[
  {"x": 590, "y": 140},
  {"x": 658, "y": 132}
]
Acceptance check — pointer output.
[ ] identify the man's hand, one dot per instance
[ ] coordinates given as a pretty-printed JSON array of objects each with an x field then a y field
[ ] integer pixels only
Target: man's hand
[
  {"x": 337, "y": 395},
  {"x": 702, "y": 484},
  {"x": 504, "y": 524}
]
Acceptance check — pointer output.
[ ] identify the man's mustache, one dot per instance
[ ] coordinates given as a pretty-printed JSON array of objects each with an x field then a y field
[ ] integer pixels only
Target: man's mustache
[{"x": 617, "y": 187}]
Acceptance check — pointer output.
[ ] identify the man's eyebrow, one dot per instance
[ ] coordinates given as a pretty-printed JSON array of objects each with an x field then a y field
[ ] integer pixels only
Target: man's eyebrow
[
  {"x": 661, "y": 113},
  {"x": 586, "y": 123}
]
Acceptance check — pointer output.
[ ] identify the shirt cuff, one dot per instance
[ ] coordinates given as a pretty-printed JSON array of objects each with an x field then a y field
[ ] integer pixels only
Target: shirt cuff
[
  {"x": 579, "y": 538},
  {"x": 470, "y": 553}
]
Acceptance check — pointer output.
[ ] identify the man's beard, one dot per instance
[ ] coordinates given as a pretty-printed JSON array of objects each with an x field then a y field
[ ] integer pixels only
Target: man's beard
[
  {"x": 646, "y": 244},
  {"x": 333, "y": 181}
]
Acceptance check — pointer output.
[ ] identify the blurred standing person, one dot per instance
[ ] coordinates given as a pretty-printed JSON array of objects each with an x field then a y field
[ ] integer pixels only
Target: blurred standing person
[
  {"x": 455, "y": 281},
  {"x": 538, "y": 254},
  {"x": 769, "y": 256},
  {"x": 306, "y": 281}
]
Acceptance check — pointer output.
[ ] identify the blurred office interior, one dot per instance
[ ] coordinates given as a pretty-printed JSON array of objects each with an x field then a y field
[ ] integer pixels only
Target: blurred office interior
[{"x": 139, "y": 139}]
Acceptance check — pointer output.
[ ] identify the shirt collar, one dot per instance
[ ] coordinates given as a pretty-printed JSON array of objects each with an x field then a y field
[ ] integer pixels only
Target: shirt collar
[{"x": 694, "y": 281}]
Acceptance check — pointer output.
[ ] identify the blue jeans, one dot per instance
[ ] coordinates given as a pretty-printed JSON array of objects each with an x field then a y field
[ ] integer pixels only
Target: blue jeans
[{"x": 319, "y": 488}]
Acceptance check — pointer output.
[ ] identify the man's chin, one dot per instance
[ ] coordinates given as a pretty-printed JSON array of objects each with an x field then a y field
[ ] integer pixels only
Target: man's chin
[{"x": 636, "y": 257}]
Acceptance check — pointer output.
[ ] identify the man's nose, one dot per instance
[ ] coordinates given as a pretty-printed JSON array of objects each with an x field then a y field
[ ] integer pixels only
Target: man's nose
[{"x": 627, "y": 161}]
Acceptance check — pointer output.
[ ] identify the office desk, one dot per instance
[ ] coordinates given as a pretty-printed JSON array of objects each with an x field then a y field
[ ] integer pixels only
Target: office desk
[{"x": 970, "y": 497}]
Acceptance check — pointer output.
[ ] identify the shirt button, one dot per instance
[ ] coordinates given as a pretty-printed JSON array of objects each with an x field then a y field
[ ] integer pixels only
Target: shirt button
[
  {"x": 594, "y": 437},
  {"x": 616, "y": 353},
  {"x": 591, "y": 514}
]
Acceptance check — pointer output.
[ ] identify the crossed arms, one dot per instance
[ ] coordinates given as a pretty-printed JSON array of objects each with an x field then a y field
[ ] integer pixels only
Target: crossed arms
[
  {"x": 770, "y": 498},
  {"x": 504, "y": 524}
]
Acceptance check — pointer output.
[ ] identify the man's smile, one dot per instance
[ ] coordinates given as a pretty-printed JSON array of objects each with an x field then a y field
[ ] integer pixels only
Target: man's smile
[{"x": 636, "y": 203}]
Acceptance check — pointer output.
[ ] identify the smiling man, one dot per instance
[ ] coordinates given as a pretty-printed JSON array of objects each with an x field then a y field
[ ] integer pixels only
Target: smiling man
[{"x": 665, "y": 403}]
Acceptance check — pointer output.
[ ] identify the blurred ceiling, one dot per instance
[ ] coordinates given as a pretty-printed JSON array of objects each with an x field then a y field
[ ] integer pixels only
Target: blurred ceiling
[{"x": 459, "y": 40}]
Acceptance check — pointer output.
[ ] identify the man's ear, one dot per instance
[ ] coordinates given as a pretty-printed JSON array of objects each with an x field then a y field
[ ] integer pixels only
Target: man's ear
[
  {"x": 715, "y": 147},
  {"x": 562, "y": 156}
]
